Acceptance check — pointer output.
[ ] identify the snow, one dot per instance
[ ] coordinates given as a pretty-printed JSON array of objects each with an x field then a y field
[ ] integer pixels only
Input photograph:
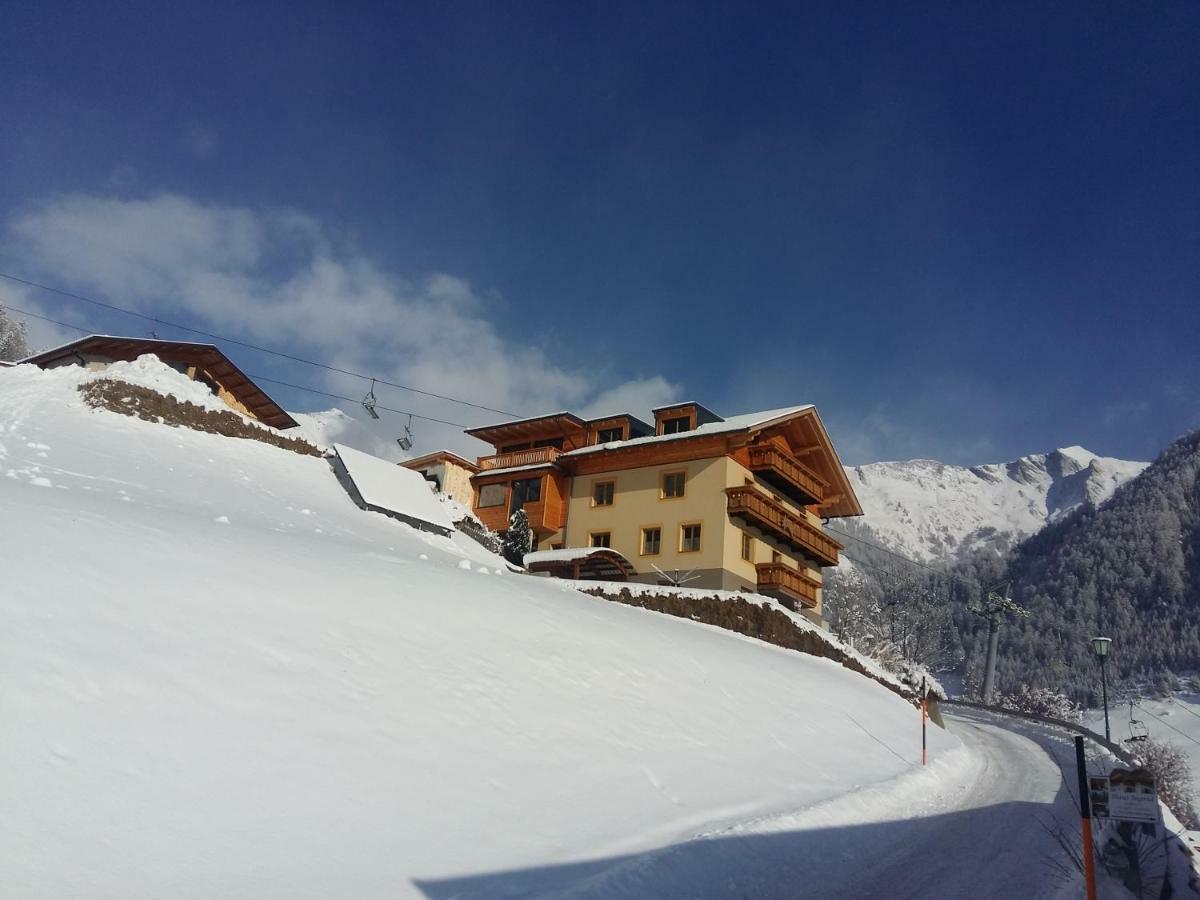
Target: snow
[
  {"x": 733, "y": 423},
  {"x": 313, "y": 701},
  {"x": 149, "y": 371},
  {"x": 566, "y": 554},
  {"x": 391, "y": 487},
  {"x": 934, "y": 511}
]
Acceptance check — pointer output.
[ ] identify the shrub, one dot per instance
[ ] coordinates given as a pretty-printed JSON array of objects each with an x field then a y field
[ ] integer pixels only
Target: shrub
[
  {"x": 1042, "y": 702},
  {"x": 1173, "y": 777}
]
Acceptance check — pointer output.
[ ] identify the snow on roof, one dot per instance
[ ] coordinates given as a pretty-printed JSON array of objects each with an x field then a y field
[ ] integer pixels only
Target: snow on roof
[
  {"x": 733, "y": 423},
  {"x": 510, "y": 469},
  {"x": 567, "y": 554},
  {"x": 393, "y": 488}
]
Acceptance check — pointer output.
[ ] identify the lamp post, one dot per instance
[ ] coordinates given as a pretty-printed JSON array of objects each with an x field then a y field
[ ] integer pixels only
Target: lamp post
[{"x": 1100, "y": 647}]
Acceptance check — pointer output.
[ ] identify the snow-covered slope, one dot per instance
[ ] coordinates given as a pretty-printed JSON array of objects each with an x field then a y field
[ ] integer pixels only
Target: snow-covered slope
[
  {"x": 930, "y": 510},
  {"x": 219, "y": 678}
]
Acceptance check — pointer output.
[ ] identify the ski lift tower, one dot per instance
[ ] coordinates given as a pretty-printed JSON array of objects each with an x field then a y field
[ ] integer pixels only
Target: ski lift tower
[{"x": 995, "y": 608}]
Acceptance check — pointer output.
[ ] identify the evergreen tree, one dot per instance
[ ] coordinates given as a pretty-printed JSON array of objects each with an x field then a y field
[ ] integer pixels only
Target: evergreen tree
[
  {"x": 14, "y": 343},
  {"x": 518, "y": 539}
]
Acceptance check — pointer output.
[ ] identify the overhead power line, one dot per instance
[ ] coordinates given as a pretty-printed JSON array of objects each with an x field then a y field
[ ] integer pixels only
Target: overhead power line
[
  {"x": 297, "y": 387},
  {"x": 228, "y": 340}
]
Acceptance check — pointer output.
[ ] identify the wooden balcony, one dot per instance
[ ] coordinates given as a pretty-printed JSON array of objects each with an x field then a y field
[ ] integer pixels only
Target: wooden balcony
[
  {"x": 787, "y": 585},
  {"x": 757, "y": 509},
  {"x": 536, "y": 456},
  {"x": 787, "y": 473}
]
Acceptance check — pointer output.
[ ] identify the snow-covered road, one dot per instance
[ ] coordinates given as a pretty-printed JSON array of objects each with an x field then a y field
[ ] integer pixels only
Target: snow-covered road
[{"x": 981, "y": 829}]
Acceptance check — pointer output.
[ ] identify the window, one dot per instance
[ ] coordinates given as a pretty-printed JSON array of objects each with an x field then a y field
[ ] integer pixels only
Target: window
[
  {"x": 492, "y": 495},
  {"x": 600, "y": 539},
  {"x": 556, "y": 546},
  {"x": 676, "y": 424},
  {"x": 556, "y": 443},
  {"x": 689, "y": 538},
  {"x": 602, "y": 493},
  {"x": 651, "y": 541},
  {"x": 527, "y": 490},
  {"x": 434, "y": 480},
  {"x": 747, "y": 547},
  {"x": 513, "y": 448},
  {"x": 607, "y": 435},
  {"x": 776, "y": 557},
  {"x": 673, "y": 485}
]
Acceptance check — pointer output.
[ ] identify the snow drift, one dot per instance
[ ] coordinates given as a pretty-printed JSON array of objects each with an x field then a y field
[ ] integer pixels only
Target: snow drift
[{"x": 218, "y": 677}]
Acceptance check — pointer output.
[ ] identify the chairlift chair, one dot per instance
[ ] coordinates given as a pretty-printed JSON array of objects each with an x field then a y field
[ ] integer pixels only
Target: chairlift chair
[
  {"x": 369, "y": 401},
  {"x": 1137, "y": 730},
  {"x": 406, "y": 442}
]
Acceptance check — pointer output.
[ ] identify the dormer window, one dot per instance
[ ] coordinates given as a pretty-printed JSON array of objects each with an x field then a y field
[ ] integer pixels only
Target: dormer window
[
  {"x": 608, "y": 435},
  {"x": 676, "y": 424}
]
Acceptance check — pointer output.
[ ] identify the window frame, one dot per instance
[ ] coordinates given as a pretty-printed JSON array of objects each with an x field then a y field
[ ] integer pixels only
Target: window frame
[
  {"x": 748, "y": 547},
  {"x": 642, "y": 539},
  {"x": 538, "y": 478},
  {"x": 600, "y": 432},
  {"x": 613, "y": 494},
  {"x": 592, "y": 535},
  {"x": 503, "y": 485},
  {"x": 686, "y": 419},
  {"x": 662, "y": 484},
  {"x": 699, "y": 544}
]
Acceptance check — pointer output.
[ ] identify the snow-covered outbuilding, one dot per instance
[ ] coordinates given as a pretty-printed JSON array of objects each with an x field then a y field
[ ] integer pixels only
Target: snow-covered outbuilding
[
  {"x": 448, "y": 472},
  {"x": 383, "y": 487},
  {"x": 588, "y": 563},
  {"x": 200, "y": 362}
]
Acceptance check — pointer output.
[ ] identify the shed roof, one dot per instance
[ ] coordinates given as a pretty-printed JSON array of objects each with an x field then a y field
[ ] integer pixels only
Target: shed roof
[{"x": 220, "y": 366}]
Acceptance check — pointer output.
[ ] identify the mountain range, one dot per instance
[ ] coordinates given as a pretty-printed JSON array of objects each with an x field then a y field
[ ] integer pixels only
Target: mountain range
[{"x": 937, "y": 512}]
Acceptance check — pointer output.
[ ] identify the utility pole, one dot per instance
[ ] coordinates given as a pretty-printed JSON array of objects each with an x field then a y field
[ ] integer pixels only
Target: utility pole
[{"x": 994, "y": 609}]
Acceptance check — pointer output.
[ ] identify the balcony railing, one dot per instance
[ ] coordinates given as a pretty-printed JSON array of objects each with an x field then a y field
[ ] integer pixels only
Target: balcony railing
[
  {"x": 792, "y": 585},
  {"x": 519, "y": 458},
  {"x": 763, "y": 512},
  {"x": 787, "y": 473}
]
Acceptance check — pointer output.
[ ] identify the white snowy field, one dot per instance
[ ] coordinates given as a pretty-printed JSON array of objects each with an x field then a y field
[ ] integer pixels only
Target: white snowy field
[{"x": 218, "y": 677}]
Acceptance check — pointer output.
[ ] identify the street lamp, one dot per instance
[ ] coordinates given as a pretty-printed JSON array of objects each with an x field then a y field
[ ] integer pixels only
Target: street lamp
[{"x": 1100, "y": 647}]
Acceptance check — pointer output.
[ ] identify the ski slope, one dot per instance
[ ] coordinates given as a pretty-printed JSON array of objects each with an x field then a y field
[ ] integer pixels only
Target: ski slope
[{"x": 218, "y": 677}]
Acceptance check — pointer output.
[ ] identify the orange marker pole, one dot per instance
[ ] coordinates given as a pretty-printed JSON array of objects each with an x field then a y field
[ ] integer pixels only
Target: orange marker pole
[
  {"x": 923, "y": 696},
  {"x": 1085, "y": 813}
]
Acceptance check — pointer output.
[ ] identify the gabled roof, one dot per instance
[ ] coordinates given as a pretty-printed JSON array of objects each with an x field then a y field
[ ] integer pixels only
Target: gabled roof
[
  {"x": 437, "y": 456},
  {"x": 220, "y": 366}
]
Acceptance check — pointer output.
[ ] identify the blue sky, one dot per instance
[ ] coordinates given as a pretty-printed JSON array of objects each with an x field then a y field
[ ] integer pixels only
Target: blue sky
[{"x": 966, "y": 233}]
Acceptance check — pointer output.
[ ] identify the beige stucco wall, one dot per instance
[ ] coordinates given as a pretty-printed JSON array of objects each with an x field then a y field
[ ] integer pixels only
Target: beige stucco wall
[
  {"x": 454, "y": 479},
  {"x": 637, "y": 504}
]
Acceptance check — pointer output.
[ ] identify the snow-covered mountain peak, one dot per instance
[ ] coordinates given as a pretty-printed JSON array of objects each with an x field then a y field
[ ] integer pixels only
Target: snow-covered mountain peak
[{"x": 933, "y": 510}]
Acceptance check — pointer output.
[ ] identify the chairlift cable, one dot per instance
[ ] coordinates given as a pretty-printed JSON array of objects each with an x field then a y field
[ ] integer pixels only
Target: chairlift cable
[{"x": 228, "y": 340}]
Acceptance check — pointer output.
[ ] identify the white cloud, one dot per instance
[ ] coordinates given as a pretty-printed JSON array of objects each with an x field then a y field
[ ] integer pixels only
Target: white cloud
[{"x": 280, "y": 278}]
